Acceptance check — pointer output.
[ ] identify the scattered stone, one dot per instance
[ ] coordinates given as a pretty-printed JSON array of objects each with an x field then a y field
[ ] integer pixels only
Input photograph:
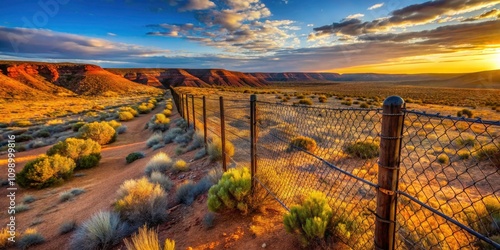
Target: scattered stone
[{"x": 264, "y": 245}]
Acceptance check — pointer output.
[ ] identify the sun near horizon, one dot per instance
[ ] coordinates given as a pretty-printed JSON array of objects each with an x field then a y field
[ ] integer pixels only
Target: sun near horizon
[{"x": 460, "y": 62}]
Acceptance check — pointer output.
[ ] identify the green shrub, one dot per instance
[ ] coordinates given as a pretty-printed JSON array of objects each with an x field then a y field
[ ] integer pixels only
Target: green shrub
[
  {"x": 214, "y": 149},
  {"x": 465, "y": 112},
  {"x": 30, "y": 237},
  {"x": 144, "y": 108},
  {"x": 23, "y": 138},
  {"x": 120, "y": 130},
  {"x": 159, "y": 122},
  {"x": 44, "y": 133},
  {"x": 101, "y": 231},
  {"x": 134, "y": 156},
  {"x": 466, "y": 141},
  {"x": 197, "y": 141},
  {"x": 491, "y": 152},
  {"x": 125, "y": 116},
  {"x": 310, "y": 219},
  {"x": 67, "y": 227},
  {"x": 77, "y": 126},
  {"x": 86, "y": 153},
  {"x": 443, "y": 159},
  {"x": 162, "y": 180},
  {"x": 202, "y": 152},
  {"x": 101, "y": 132},
  {"x": 363, "y": 149},
  {"x": 141, "y": 202},
  {"x": 306, "y": 101},
  {"x": 161, "y": 162},
  {"x": 364, "y": 105},
  {"x": 302, "y": 142},
  {"x": 231, "y": 192},
  {"x": 45, "y": 171}
]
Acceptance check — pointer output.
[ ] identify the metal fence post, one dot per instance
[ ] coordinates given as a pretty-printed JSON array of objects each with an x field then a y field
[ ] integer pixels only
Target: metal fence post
[
  {"x": 205, "y": 121},
  {"x": 194, "y": 113},
  {"x": 253, "y": 138},
  {"x": 187, "y": 109},
  {"x": 223, "y": 134},
  {"x": 388, "y": 172}
]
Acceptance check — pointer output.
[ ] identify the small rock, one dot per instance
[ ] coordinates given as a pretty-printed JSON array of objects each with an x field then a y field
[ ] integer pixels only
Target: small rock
[{"x": 264, "y": 245}]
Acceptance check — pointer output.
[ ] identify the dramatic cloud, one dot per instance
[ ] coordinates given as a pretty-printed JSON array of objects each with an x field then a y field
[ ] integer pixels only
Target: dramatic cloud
[
  {"x": 416, "y": 14},
  {"x": 355, "y": 16},
  {"x": 237, "y": 26},
  {"x": 447, "y": 37},
  {"x": 198, "y": 5},
  {"x": 38, "y": 42},
  {"x": 488, "y": 14},
  {"x": 376, "y": 6}
]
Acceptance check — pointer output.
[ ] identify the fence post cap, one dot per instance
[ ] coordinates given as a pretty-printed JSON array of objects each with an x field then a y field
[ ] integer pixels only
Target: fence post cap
[
  {"x": 394, "y": 101},
  {"x": 253, "y": 97}
]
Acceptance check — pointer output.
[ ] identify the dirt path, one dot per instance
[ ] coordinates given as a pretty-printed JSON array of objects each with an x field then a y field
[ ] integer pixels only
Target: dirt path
[{"x": 100, "y": 184}]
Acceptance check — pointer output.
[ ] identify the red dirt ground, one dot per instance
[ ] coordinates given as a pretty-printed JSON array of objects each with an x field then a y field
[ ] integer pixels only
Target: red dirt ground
[{"x": 185, "y": 223}]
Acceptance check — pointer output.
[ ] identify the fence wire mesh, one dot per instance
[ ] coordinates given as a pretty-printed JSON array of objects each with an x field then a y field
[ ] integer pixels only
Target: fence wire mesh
[
  {"x": 452, "y": 165},
  {"x": 449, "y": 180},
  {"x": 292, "y": 170}
]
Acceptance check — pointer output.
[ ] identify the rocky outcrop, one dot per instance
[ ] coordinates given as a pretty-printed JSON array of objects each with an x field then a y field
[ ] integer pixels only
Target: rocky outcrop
[{"x": 64, "y": 79}]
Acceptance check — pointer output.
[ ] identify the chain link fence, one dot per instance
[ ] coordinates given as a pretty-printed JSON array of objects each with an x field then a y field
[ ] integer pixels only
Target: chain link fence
[{"x": 449, "y": 168}]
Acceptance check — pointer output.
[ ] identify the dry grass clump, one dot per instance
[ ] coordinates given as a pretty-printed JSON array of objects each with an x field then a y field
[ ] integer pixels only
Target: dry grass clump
[
  {"x": 363, "y": 149},
  {"x": 147, "y": 239},
  {"x": 125, "y": 116},
  {"x": 214, "y": 149},
  {"x": 181, "y": 166},
  {"x": 140, "y": 201},
  {"x": 302, "y": 142},
  {"x": 161, "y": 162},
  {"x": 29, "y": 238}
]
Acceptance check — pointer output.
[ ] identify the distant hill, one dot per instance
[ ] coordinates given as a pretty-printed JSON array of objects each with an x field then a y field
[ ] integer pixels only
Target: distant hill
[
  {"x": 190, "y": 77},
  {"x": 44, "y": 80}
]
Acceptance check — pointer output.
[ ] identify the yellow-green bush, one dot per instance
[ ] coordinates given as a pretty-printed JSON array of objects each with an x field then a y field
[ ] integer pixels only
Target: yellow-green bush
[
  {"x": 214, "y": 149},
  {"x": 101, "y": 132},
  {"x": 125, "y": 116},
  {"x": 4, "y": 238},
  {"x": 131, "y": 110},
  {"x": 45, "y": 171},
  {"x": 140, "y": 201},
  {"x": 147, "y": 239},
  {"x": 363, "y": 149},
  {"x": 86, "y": 153},
  {"x": 302, "y": 142},
  {"x": 144, "y": 108},
  {"x": 167, "y": 112},
  {"x": 311, "y": 219},
  {"x": 114, "y": 124},
  {"x": 181, "y": 165},
  {"x": 231, "y": 192}
]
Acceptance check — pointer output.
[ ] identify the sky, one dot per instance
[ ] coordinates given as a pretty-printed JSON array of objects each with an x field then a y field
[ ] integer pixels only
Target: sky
[{"x": 365, "y": 36}]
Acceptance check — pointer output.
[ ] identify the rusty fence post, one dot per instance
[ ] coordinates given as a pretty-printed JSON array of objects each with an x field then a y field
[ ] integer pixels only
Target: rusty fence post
[
  {"x": 194, "y": 113},
  {"x": 181, "y": 102},
  {"x": 253, "y": 138},
  {"x": 388, "y": 172},
  {"x": 223, "y": 134},
  {"x": 187, "y": 110},
  {"x": 205, "y": 121}
]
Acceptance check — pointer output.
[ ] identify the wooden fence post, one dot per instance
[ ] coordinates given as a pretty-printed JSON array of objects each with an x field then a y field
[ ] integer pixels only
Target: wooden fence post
[
  {"x": 205, "y": 121},
  {"x": 253, "y": 138},
  {"x": 194, "y": 113},
  {"x": 223, "y": 134},
  {"x": 187, "y": 109},
  {"x": 388, "y": 172}
]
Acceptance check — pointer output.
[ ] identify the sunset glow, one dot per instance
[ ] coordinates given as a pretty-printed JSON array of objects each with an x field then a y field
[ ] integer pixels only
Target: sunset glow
[{"x": 413, "y": 36}]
